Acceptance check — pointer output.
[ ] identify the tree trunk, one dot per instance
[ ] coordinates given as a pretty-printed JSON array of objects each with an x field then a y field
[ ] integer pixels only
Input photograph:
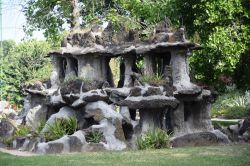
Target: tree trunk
[{"x": 75, "y": 25}]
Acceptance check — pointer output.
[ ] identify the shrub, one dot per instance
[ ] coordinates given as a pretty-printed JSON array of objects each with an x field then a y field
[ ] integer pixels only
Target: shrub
[
  {"x": 154, "y": 139},
  {"x": 94, "y": 137},
  {"x": 22, "y": 131},
  {"x": 60, "y": 128},
  {"x": 25, "y": 61},
  {"x": 236, "y": 112},
  {"x": 233, "y": 104}
]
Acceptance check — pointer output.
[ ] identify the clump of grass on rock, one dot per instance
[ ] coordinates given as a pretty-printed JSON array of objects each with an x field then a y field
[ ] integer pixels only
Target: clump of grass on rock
[{"x": 60, "y": 128}]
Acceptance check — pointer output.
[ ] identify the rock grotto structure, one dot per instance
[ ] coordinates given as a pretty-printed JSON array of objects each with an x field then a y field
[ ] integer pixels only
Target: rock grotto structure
[{"x": 158, "y": 95}]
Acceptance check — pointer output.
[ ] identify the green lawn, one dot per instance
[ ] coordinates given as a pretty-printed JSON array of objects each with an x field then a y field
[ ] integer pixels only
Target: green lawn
[{"x": 198, "y": 156}]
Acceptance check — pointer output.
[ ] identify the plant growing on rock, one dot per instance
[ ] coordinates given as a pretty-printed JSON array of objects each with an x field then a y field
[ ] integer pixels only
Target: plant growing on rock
[
  {"x": 154, "y": 80},
  {"x": 154, "y": 139},
  {"x": 22, "y": 131},
  {"x": 60, "y": 128},
  {"x": 94, "y": 137}
]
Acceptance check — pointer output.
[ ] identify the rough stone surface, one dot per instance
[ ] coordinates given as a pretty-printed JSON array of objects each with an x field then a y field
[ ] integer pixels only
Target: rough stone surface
[
  {"x": 180, "y": 73},
  {"x": 200, "y": 139},
  {"x": 67, "y": 144},
  {"x": 30, "y": 143},
  {"x": 6, "y": 128},
  {"x": 90, "y": 96},
  {"x": 36, "y": 115},
  {"x": 110, "y": 124},
  {"x": 18, "y": 142},
  {"x": 155, "y": 101}
]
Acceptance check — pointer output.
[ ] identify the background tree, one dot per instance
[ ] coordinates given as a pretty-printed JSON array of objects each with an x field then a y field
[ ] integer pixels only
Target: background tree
[
  {"x": 221, "y": 27},
  {"x": 24, "y": 62}
]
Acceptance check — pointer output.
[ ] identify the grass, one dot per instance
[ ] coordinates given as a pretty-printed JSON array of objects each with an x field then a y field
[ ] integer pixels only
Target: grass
[
  {"x": 236, "y": 155},
  {"x": 154, "y": 80}
]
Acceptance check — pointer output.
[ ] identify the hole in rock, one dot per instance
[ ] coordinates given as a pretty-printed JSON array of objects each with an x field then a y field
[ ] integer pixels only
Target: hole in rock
[
  {"x": 75, "y": 64},
  {"x": 168, "y": 121},
  {"x": 89, "y": 122},
  {"x": 128, "y": 130},
  {"x": 187, "y": 110}
]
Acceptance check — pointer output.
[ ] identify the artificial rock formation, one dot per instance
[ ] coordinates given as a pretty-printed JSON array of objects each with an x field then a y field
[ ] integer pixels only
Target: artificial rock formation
[{"x": 161, "y": 95}]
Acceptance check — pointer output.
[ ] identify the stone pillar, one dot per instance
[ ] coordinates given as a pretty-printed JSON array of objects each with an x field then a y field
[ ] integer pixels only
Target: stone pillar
[
  {"x": 180, "y": 73},
  {"x": 149, "y": 65},
  {"x": 128, "y": 62},
  {"x": 202, "y": 121},
  {"x": 70, "y": 68},
  {"x": 178, "y": 119},
  {"x": 92, "y": 68},
  {"x": 57, "y": 75},
  {"x": 150, "y": 119},
  {"x": 197, "y": 116}
]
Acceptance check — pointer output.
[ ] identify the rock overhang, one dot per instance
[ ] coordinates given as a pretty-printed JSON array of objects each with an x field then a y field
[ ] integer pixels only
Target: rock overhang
[{"x": 128, "y": 49}]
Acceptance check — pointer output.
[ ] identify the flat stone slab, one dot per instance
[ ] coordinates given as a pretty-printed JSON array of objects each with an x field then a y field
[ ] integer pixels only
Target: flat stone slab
[
  {"x": 128, "y": 48},
  {"x": 155, "y": 101}
]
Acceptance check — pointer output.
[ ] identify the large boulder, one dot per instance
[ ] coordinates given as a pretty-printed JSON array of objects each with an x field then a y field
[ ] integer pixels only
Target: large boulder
[
  {"x": 200, "y": 139},
  {"x": 6, "y": 128},
  {"x": 66, "y": 144},
  {"x": 110, "y": 124},
  {"x": 36, "y": 115},
  {"x": 30, "y": 143}
]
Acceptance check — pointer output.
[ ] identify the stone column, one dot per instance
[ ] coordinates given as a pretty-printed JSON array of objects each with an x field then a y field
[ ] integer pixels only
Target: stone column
[
  {"x": 92, "y": 68},
  {"x": 203, "y": 118},
  {"x": 180, "y": 73},
  {"x": 70, "y": 68},
  {"x": 150, "y": 119},
  {"x": 128, "y": 62},
  {"x": 149, "y": 65},
  {"x": 57, "y": 75},
  {"x": 178, "y": 119}
]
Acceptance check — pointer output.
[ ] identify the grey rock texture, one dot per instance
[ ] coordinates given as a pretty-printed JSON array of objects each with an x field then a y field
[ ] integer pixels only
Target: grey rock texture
[
  {"x": 200, "y": 139},
  {"x": 155, "y": 101},
  {"x": 110, "y": 124},
  {"x": 6, "y": 128},
  {"x": 69, "y": 143}
]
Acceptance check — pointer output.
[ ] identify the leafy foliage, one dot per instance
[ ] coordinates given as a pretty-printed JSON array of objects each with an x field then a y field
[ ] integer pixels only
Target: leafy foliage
[
  {"x": 25, "y": 61},
  {"x": 154, "y": 139},
  {"x": 232, "y": 104},
  {"x": 94, "y": 137},
  {"x": 241, "y": 73},
  {"x": 222, "y": 27},
  {"x": 60, "y": 128},
  {"x": 22, "y": 130}
]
